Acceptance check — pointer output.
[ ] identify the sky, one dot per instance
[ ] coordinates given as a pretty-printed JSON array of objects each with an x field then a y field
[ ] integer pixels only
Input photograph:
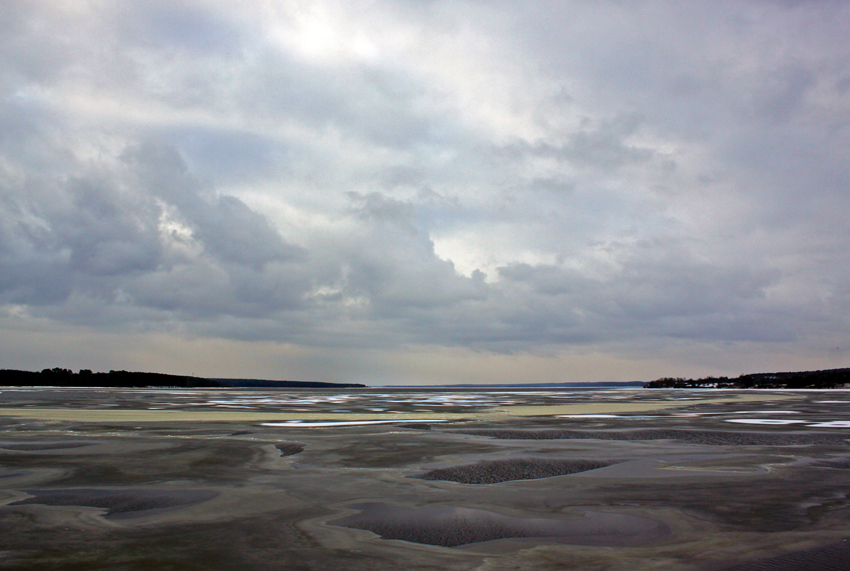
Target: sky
[{"x": 397, "y": 192}]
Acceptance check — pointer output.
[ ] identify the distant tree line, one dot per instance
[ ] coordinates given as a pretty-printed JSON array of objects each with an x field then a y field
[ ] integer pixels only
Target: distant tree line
[
  {"x": 58, "y": 377},
  {"x": 827, "y": 379}
]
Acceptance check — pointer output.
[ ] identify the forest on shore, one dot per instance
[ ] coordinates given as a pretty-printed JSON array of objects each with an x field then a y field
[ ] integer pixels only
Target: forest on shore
[
  {"x": 58, "y": 377},
  {"x": 826, "y": 379}
]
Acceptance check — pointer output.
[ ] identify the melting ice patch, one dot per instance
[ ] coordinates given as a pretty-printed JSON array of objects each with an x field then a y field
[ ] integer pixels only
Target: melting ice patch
[
  {"x": 766, "y": 412},
  {"x": 587, "y": 416},
  {"x": 323, "y": 423},
  {"x": 765, "y": 421}
]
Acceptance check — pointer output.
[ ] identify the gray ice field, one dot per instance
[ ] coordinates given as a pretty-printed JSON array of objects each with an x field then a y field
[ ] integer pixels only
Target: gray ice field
[{"x": 94, "y": 479}]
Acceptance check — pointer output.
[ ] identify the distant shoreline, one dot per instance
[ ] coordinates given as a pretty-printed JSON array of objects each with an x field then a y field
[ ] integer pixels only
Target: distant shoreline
[
  {"x": 57, "y": 377},
  {"x": 591, "y": 385},
  {"x": 129, "y": 379},
  {"x": 825, "y": 379}
]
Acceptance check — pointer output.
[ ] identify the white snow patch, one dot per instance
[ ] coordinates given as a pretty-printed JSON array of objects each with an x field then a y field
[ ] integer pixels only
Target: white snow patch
[
  {"x": 312, "y": 424},
  {"x": 587, "y": 416},
  {"x": 766, "y": 412},
  {"x": 765, "y": 421},
  {"x": 832, "y": 424}
]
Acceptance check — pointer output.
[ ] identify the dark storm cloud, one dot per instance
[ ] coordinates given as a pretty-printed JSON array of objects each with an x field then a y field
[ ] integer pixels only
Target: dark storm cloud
[
  {"x": 148, "y": 234},
  {"x": 105, "y": 231},
  {"x": 392, "y": 263},
  {"x": 228, "y": 229}
]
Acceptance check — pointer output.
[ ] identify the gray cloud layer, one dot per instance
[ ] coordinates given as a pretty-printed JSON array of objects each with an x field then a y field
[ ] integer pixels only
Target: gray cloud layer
[{"x": 499, "y": 177}]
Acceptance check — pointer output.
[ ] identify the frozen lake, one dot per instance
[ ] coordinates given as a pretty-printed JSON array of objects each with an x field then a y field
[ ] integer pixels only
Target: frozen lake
[{"x": 423, "y": 478}]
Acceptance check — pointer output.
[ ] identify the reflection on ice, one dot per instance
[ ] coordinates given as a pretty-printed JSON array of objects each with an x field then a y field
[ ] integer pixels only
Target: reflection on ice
[
  {"x": 832, "y": 424},
  {"x": 429, "y": 401},
  {"x": 587, "y": 416},
  {"x": 765, "y": 421},
  {"x": 318, "y": 424},
  {"x": 766, "y": 412}
]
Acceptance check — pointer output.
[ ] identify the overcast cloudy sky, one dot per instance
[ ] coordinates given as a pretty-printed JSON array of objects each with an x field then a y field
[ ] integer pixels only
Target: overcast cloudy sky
[{"x": 425, "y": 191}]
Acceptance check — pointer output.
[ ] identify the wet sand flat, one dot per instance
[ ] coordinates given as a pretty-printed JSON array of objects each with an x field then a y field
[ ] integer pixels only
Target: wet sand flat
[
  {"x": 314, "y": 480},
  {"x": 452, "y": 527},
  {"x": 142, "y": 415},
  {"x": 166, "y": 416},
  {"x": 120, "y": 503},
  {"x": 646, "y": 406},
  {"x": 834, "y": 557},
  {"x": 495, "y": 471}
]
